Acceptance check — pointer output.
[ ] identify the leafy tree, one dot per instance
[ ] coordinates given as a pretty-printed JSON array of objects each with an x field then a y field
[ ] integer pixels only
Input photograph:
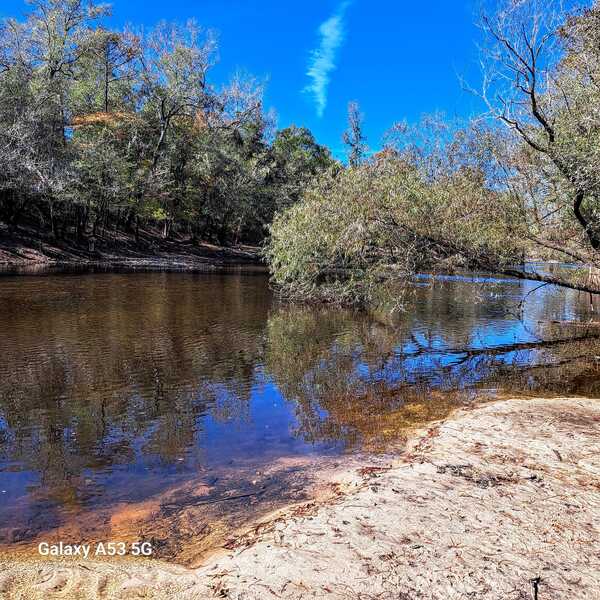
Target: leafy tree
[
  {"x": 386, "y": 219},
  {"x": 298, "y": 158}
]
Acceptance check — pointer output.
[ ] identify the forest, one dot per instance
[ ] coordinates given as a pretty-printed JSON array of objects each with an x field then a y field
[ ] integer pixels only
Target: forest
[{"x": 104, "y": 130}]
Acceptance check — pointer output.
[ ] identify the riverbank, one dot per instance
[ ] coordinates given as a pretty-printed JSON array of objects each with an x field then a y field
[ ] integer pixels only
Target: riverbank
[
  {"x": 28, "y": 251},
  {"x": 495, "y": 502}
]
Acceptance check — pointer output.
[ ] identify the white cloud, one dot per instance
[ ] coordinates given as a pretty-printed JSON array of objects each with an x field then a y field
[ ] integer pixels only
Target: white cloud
[{"x": 323, "y": 58}]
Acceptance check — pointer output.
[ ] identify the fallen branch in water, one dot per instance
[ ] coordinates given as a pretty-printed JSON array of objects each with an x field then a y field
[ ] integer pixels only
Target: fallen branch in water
[
  {"x": 532, "y": 276},
  {"x": 504, "y": 348}
]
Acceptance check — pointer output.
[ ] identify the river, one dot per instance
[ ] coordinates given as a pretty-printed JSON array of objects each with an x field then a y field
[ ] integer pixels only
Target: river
[{"x": 149, "y": 398}]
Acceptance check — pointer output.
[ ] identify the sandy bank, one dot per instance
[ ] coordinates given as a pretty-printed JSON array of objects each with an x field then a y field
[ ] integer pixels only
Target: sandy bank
[{"x": 478, "y": 506}]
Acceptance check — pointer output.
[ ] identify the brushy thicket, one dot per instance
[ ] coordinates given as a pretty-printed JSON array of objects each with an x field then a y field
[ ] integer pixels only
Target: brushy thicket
[{"x": 382, "y": 222}]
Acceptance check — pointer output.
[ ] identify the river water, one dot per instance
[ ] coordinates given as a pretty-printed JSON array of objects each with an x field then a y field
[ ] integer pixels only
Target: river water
[{"x": 131, "y": 398}]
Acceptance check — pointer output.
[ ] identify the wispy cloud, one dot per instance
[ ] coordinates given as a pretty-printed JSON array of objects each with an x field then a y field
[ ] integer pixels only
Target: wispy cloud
[{"x": 323, "y": 58}]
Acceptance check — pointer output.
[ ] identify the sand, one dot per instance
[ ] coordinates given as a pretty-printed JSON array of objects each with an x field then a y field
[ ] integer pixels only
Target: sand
[{"x": 497, "y": 502}]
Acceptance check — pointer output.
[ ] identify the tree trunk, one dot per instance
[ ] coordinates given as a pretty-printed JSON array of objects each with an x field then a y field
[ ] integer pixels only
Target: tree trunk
[
  {"x": 53, "y": 229},
  {"x": 589, "y": 228},
  {"x": 167, "y": 228}
]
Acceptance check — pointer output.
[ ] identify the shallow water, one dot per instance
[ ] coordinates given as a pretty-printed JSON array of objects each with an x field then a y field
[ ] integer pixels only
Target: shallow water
[{"x": 116, "y": 389}]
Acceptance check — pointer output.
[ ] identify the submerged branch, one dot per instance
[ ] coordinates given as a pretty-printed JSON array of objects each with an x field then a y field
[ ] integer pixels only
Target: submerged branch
[
  {"x": 532, "y": 276},
  {"x": 505, "y": 348}
]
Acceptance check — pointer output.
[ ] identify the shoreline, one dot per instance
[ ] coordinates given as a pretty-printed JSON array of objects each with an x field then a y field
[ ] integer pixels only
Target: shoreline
[
  {"x": 479, "y": 505},
  {"x": 28, "y": 253}
]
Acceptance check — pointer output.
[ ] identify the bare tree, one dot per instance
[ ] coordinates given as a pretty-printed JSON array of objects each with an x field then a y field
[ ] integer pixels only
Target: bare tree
[
  {"x": 540, "y": 79},
  {"x": 354, "y": 137}
]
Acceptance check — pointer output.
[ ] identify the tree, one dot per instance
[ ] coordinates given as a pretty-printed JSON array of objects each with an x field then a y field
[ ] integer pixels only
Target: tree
[
  {"x": 353, "y": 137},
  {"x": 176, "y": 61},
  {"x": 541, "y": 81},
  {"x": 298, "y": 159},
  {"x": 57, "y": 36},
  {"x": 107, "y": 79},
  {"x": 40, "y": 58},
  {"x": 357, "y": 234}
]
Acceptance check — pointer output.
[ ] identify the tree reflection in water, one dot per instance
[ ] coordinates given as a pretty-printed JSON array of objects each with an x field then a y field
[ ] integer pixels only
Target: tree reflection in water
[{"x": 118, "y": 388}]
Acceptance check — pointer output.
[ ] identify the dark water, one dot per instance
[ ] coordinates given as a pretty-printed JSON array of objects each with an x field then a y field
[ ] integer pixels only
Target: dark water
[{"x": 116, "y": 387}]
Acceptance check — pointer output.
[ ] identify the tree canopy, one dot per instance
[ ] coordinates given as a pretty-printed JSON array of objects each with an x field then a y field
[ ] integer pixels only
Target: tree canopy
[
  {"x": 108, "y": 131},
  {"x": 116, "y": 130}
]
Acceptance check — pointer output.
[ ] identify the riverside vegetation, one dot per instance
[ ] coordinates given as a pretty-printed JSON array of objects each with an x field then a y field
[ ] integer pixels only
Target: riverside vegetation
[
  {"x": 520, "y": 181},
  {"x": 105, "y": 131}
]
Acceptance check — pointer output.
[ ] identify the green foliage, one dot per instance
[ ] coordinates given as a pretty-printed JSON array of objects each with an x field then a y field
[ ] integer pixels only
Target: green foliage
[
  {"x": 381, "y": 222},
  {"x": 102, "y": 128}
]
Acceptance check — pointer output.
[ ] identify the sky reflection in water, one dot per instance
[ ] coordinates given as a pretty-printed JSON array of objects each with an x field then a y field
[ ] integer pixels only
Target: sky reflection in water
[{"x": 114, "y": 387}]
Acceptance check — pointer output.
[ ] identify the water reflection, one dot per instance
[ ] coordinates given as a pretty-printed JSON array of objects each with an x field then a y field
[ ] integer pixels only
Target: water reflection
[{"x": 115, "y": 388}]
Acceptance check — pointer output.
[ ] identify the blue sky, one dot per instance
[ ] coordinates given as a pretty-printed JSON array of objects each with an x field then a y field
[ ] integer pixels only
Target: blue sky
[{"x": 399, "y": 59}]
